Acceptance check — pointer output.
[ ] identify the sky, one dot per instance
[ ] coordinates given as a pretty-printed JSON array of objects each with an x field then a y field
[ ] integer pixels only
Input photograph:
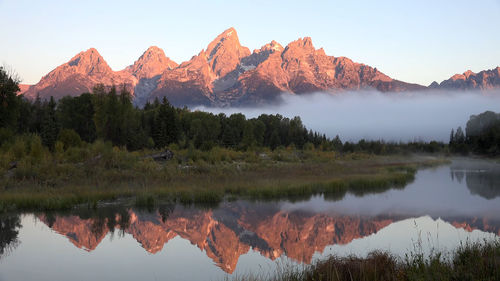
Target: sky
[{"x": 414, "y": 41}]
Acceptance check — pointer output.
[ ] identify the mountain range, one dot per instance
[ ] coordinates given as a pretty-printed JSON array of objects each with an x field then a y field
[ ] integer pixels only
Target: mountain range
[{"x": 229, "y": 74}]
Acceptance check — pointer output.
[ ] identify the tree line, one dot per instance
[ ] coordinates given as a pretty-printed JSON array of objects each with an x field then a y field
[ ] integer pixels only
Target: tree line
[
  {"x": 481, "y": 136},
  {"x": 108, "y": 114}
]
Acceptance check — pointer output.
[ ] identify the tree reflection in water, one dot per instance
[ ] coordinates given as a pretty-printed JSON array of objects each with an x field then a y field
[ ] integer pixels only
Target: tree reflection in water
[
  {"x": 484, "y": 182},
  {"x": 9, "y": 230}
]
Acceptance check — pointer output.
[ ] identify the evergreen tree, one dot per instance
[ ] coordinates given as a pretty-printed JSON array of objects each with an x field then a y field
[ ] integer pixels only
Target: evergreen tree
[
  {"x": 77, "y": 113},
  {"x": 37, "y": 116},
  {"x": 248, "y": 139},
  {"x": 259, "y": 129},
  {"x": 337, "y": 143},
  {"x": 274, "y": 141},
  {"x": 166, "y": 125},
  {"x": 9, "y": 101},
  {"x": 50, "y": 128},
  {"x": 459, "y": 136}
]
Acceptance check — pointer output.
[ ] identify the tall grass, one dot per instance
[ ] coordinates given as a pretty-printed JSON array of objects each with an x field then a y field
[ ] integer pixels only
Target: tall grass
[
  {"x": 89, "y": 173},
  {"x": 471, "y": 261}
]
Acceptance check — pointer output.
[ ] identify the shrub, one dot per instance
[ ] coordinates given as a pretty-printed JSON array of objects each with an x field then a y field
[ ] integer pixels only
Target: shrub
[
  {"x": 5, "y": 135},
  {"x": 36, "y": 149},
  {"x": 18, "y": 149},
  {"x": 69, "y": 138},
  {"x": 308, "y": 146}
]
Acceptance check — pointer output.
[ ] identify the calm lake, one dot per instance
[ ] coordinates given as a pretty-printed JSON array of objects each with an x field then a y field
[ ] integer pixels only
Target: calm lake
[{"x": 443, "y": 207}]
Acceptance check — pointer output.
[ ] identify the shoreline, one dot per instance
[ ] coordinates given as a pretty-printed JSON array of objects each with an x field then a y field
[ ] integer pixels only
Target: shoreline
[{"x": 204, "y": 177}]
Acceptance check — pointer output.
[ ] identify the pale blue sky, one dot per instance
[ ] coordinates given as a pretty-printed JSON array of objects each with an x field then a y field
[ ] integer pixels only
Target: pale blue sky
[{"x": 414, "y": 41}]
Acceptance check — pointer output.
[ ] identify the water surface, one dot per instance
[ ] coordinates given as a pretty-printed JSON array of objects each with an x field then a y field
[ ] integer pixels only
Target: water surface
[{"x": 440, "y": 209}]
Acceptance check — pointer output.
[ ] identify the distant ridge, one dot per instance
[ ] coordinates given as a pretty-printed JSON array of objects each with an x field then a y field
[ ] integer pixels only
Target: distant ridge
[{"x": 484, "y": 80}]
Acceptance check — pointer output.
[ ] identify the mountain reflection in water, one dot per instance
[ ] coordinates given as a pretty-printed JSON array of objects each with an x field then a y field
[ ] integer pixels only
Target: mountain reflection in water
[
  {"x": 442, "y": 208},
  {"x": 234, "y": 228}
]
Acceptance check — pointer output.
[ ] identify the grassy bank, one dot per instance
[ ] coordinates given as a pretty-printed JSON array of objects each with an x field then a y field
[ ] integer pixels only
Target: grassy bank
[
  {"x": 91, "y": 173},
  {"x": 470, "y": 261}
]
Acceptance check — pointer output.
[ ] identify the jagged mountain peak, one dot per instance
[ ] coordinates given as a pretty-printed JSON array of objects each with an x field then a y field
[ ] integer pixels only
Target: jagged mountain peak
[
  {"x": 89, "y": 53},
  {"x": 469, "y": 73},
  {"x": 304, "y": 43},
  {"x": 79, "y": 75},
  {"x": 225, "y": 51},
  {"x": 152, "y": 50},
  {"x": 89, "y": 61},
  {"x": 486, "y": 79},
  {"x": 272, "y": 47},
  {"x": 151, "y": 63},
  {"x": 299, "y": 48},
  {"x": 229, "y": 36}
]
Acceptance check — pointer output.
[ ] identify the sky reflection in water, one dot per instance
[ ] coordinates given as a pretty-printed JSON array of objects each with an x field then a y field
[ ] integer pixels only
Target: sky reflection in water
[{"x": 442, "y": 207}]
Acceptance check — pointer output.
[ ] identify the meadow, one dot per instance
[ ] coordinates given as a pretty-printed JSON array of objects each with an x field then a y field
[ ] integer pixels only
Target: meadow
[{"x": 92, "y": 173}]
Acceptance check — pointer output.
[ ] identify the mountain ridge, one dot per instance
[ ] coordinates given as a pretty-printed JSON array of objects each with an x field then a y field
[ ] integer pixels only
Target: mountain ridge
[
  {"x": 483, "y": 80},
  {"x": 227, "y": 73}
]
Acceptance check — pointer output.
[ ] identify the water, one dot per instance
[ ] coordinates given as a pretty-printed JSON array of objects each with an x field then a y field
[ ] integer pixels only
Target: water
[{"x": 440, "y": 209}]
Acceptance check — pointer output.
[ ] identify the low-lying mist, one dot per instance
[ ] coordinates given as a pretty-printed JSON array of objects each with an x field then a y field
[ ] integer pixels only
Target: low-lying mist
[{"x": 372, "y": 115}]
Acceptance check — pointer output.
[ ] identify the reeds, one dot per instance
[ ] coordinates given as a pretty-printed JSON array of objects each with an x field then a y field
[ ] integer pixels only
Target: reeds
[{"x": 470, "y": 261}]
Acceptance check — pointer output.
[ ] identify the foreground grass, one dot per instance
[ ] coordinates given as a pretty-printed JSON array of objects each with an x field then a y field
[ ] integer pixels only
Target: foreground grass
[
  {"x": 96, "y": 172},
  {"x": 471, "y": 261}
]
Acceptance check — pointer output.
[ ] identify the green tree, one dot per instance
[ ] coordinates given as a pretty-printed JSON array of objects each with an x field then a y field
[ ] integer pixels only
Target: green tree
[
  {"x": 77, "y": 113},
  {"x": 259, "y": 129},
  {"x": 69, "y": 138},
  {"x": 50, "y": 128},
  {"x": 459, "y": 136},
  {"x": 337, "y": 143},
  {"x": 274, "y": 141},
  {"x": 9, "y": 101},
  {"x": 166, "y": 125},
  {"x": 248, "y": 139}
]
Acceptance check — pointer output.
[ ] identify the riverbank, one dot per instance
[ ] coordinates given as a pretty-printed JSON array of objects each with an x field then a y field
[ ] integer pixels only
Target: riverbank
[
  {"x": 470, "y": 261},
  {"x": 87, "y": 175}
]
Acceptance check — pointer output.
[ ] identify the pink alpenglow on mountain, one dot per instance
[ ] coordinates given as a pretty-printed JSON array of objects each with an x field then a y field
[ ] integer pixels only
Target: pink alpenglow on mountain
[
  {"x": 152, "y": 63},
  {"x": 228, "y": 74},
  {"x": 79, "y": 75},
  {"x": 484, "y": 80}
]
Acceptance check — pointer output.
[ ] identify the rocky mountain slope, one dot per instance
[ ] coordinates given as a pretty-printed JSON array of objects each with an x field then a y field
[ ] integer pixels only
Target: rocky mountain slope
[
  {"x": 23, "y": 88},
  {"x": 79, "y": 75},
  {"x": 484, "y": 80},
  {"x": 225, "y": 73}
]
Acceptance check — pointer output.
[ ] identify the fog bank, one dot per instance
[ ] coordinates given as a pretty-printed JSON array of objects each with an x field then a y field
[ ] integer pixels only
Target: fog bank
[{"x": 373, "y": 115}]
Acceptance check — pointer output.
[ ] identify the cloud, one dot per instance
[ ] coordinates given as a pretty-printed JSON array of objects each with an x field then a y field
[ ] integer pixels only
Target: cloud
[{"x": 373, "y": 115}]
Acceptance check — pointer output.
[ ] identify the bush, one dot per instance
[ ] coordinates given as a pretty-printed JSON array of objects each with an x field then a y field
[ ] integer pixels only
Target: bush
[
  {"x": 5, "y": 135},
  {"x": 37, "y": 150},
  {"x": 69, "y": 138},
  {"x": 18, "y": 149}
]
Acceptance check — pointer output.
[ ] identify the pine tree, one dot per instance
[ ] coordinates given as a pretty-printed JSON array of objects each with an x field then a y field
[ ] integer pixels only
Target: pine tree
[
  {"x": 9, "y": 101},
  {"x": 50, "y": 128},
  {"x": 459, "y": 136},
  {"x": 248, "y": 139},
  {"x": 337, "y": 143},
  {"x": 166, "y": 125},
  {"x": 274, "y": 141}
]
